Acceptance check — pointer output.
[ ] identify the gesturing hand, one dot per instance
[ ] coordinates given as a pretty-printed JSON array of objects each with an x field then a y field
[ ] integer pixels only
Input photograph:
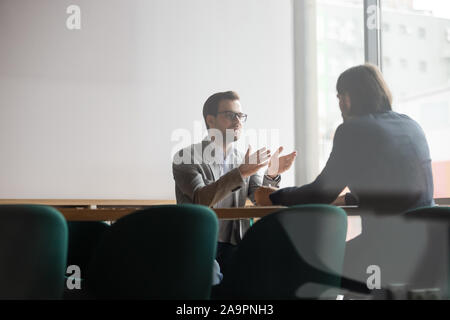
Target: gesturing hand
[
  {"x": 254, "y": 162},
  {"x": 278, "y": 165}
]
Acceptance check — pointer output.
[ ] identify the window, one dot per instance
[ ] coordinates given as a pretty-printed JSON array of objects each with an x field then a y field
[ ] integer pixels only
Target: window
[
  {"x": 340, "y": 45},
  {"x": 422, "y": 91},
  {"x": 415, "y": 62}
]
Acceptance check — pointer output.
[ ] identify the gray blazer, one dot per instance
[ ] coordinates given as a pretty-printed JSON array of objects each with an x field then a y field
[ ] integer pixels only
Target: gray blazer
[{"x": 197, "y": 180}]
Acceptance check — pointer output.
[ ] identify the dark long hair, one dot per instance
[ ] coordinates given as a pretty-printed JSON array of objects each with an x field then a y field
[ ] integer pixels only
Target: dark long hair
[{"x": 366, "y": 88}]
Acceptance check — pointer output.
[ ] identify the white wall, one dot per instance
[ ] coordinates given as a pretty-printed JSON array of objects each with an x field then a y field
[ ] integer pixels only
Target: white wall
[{"x": 90, "y": 113}]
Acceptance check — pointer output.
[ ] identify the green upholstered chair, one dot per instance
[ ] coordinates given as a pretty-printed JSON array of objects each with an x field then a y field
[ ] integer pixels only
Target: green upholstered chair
[
  {"x": 431, "y": 214},
  {"x": 33, "y": 252},
  {"x": 162, "y": 252},
  {"x": 84, "y": 237},
  {"x": 294, "y": 253}
]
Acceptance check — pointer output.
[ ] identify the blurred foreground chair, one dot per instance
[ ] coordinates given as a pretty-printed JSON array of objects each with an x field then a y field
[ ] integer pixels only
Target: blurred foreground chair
[
  {"x": 33, "y": 252},
  {"x": 163, "y": 252},
  {"x": 411, "y": 251},
  {"x": 84, "y": 237},
  {"x": 434, "y": 272},
  {"x": 295, "y": 253}
]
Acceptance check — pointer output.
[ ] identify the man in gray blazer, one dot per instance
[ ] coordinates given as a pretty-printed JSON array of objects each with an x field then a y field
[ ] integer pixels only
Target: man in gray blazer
[{"x": 215, "y": 174}]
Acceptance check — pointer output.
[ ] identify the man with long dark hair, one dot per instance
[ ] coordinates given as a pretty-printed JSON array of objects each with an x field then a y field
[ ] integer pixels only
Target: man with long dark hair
[
  {"x": 380, "y": 155},
  {"x": 383, "y": 158}
]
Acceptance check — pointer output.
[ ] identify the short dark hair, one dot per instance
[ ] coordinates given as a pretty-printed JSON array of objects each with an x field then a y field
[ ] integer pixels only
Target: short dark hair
[
  {"x": 366, "y": 88},
  {"x": 211, "y": 105}
]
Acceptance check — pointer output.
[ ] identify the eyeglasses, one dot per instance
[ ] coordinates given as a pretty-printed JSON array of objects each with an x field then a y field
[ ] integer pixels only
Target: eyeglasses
[{"x": 234, "y": 115}]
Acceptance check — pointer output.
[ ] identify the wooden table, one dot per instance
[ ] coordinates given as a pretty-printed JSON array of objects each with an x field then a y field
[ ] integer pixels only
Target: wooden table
[
  {"x": 114, "y": 213},
  {"x": 111, "y": 210}
]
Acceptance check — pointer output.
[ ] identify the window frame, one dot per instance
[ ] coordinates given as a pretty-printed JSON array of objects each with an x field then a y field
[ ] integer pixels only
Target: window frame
[
  {"x": 305, "y": 78},
  {"x": 373, "y": 33}
]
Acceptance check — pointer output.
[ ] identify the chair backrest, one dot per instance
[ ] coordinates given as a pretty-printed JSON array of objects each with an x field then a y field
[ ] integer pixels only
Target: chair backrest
[
  {"x": 163, "y": 252},
  {"x": 294, "y": 253},
  {"x": 83, "y": 239},
  {"x": 411, "y": 248},
  {"x": 33, "y": 252},
  {"x": 434, "y": 269}
]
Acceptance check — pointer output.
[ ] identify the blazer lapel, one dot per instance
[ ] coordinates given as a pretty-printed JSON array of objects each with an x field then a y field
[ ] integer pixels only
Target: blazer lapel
[{"x": 209, "y": 161}]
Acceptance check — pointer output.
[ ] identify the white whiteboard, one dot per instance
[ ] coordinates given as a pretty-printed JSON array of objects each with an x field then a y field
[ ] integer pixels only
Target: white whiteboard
[{"x": 90, "y": 113}]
